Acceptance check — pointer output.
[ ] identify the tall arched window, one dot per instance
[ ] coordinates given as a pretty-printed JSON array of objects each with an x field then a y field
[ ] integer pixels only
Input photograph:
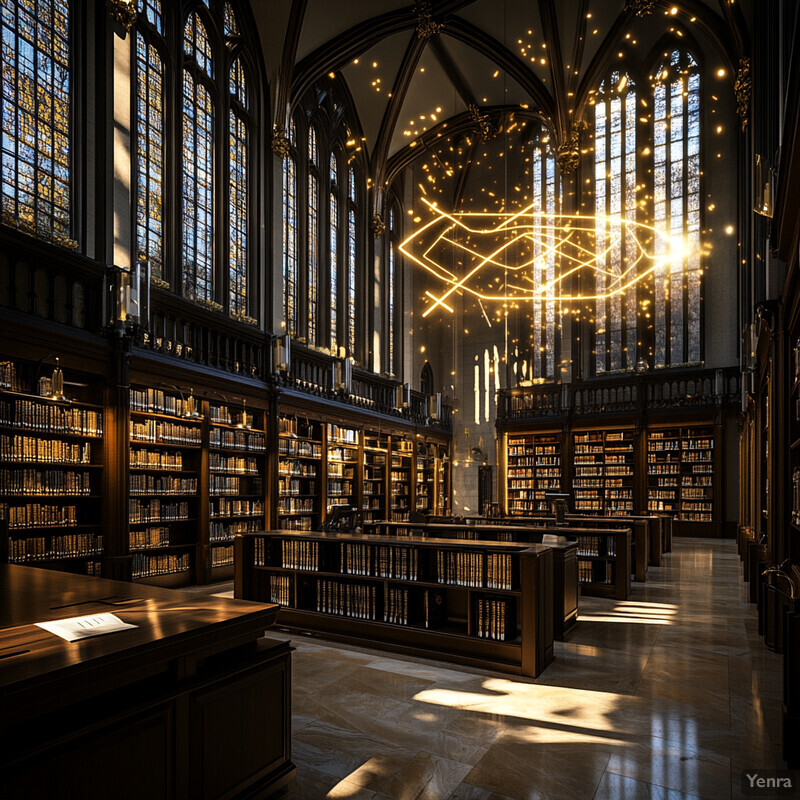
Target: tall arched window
[
  {"x": 149, "y": 134},
  {"x": 210, "y": 198},
  {"x": 351, "y": 263},
  {"x": 615, "y": 202},
  {"x": 238, "y": 204},
  {"x": 290, "y": 234},
  {"x": 313, "y": 237},
  {"x": 333, "y": 250},
  {"x": 546, "y": 202},
  {"x": 36, "y": 134},
  {"x": 198, "y": 163},
  {"x": 676, "y": 209}
]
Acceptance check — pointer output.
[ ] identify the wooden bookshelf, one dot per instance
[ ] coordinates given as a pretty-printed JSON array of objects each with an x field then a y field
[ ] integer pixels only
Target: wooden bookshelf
[
  {"x": 164, "y": 486},
  {"x": 299, "y": 473},
  {"x": 565, "y": 565},
  {"x": 342, "y": 466},
  {"x": 681, "y": 464},
  {"x": 533, "y": 467},
  {"x": 375, "y": 466},
  {"x": 603, "y": 478},
  {"x": 425, "y": 479},
  {"x": 236, "y": 471},
  {"x": 51, "y": 464},
  {"x": 400, "y": 478},
  {"x": 477, "y": 603}
]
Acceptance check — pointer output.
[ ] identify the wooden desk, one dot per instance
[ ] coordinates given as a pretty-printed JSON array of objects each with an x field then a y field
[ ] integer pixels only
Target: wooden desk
[{"x": 193, "y": 703}]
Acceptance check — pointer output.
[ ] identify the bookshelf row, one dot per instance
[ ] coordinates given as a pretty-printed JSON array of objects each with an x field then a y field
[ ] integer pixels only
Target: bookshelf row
[
  {"x": 615, "y": 472},
  {"x": 466, "y": 601},
  {"x": 324, "y": 465},
  {"x": 197, "y": 472}
]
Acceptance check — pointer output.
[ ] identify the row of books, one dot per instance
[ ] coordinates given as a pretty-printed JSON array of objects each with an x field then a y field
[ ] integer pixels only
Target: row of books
[
  {"x": 300, "y": 555},
  {"x": 459, "y": 569},
  {"x": 219, "y": 485},
  {"x": 299, "y": 449},
  {"x": 342, "y": 454},
  {"x": 30, "y": 448},
  {"x": 294, "y": 505},
  {"x": 167, "y": 432},
  {"x": 295, "y": 524},
  {"x": 49, "y": 418},
  {"x": 495, "y": 619},
  {"x": 35, "y": 515},
  {"x": 150, "y": 484},
  {"x": 57, "y": 483},
  {"x": 339, "y": 488},
  {"x": 296, "y": 486},
  {"x": 157, "y": 401},
  {"x": 154, "y": 459},
  {"x": 236, "y": 464},
  {"x": 340, "y": 434},
  {"x": 280, "y": 589},
  {"x": 348, "y": 599},
  {"x": 149, "y": 538},
  {"x": 596, "y": 546},
  {"x": 395, "y": 606},
  {"x": 9, "y": 378},
  {"x": 222, "y": 556},
  {"x": 225, "y": 531},
  {"x": 49, "y": 548},
  {"x": 237, "y": 440},
  {"x": 152, "y": 564},
  {"x": 300, "y": 468},
  {"x": 224, "y": 507},
  {"x": 498, "y": 571},
  {"x": 144, "y": 511}
]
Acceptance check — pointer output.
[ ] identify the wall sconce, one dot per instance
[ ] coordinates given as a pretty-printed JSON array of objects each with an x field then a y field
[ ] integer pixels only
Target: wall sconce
[
  {"x": 282, "y": 353},
  {"x": 128, "y": 301},
  {"x": 402, "y": 396},
  {"x": 641, "y": 366},
  {"x": 242, "y": 419},
  {"x": 435, "y": 406},
  {"x": 343, "y": 375}
]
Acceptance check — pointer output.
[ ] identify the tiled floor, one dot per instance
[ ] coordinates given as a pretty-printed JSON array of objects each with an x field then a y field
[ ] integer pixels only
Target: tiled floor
[{"x": 669, "y": 695}]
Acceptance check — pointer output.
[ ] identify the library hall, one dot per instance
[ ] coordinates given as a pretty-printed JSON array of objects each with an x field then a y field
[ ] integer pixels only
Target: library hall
[{"x": 400, "y": 399}]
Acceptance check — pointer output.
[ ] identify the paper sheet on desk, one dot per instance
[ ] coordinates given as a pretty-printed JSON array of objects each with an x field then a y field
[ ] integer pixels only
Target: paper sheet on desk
[{"x": 76, "y": 628}]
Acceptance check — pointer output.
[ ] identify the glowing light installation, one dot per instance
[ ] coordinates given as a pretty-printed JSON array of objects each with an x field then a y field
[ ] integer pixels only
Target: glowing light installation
[{"x": 499, "y": 256}]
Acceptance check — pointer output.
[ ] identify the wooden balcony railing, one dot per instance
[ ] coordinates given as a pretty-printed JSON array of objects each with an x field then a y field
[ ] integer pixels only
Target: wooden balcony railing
[
  {"x": 628, "y": 394},
  {"x": 50, "y": 282},
  {"x": 189, "y": 332}
]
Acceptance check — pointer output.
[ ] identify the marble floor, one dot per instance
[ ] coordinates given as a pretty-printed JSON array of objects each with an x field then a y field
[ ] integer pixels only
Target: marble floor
[{"x": 668, "y": 695}]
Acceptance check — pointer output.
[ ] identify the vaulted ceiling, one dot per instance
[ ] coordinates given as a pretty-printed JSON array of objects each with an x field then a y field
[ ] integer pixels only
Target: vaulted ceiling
[{"x": 417, "y": 69}]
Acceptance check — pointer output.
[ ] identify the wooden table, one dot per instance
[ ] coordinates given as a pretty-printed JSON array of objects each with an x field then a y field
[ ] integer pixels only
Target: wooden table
[{"x": 193, "y": 703}]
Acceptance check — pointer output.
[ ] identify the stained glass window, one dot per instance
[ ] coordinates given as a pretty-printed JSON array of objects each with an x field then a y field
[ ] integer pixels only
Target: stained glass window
[
  {"x": 198, "y": 190},
  {"x": 546, "y": 201},
  {"x": 615, "y": 203},
  {"x": 237, "y": 210},
  {"x": 351, "y": 264},
  {"x": 290, "y": 243},
  {"x": 150, "y": 153},
  {"x": 334, "y": 269},
  {"x": 196, "y": 45},
  {"x": 150, "y": 10},
  {"x": 676, "y": 210},
  {"x": 36, "y": 118},
  {"x": 231, "y": 25},
  {"x": 313, "y": 237}
]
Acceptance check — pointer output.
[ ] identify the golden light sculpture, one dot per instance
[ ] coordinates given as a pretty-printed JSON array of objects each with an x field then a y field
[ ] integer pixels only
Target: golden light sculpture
[{"x": 534, "y": 255}]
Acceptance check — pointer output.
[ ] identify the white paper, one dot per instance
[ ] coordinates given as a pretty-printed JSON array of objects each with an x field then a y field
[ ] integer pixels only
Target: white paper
[{"x": 76, "y": 628}]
